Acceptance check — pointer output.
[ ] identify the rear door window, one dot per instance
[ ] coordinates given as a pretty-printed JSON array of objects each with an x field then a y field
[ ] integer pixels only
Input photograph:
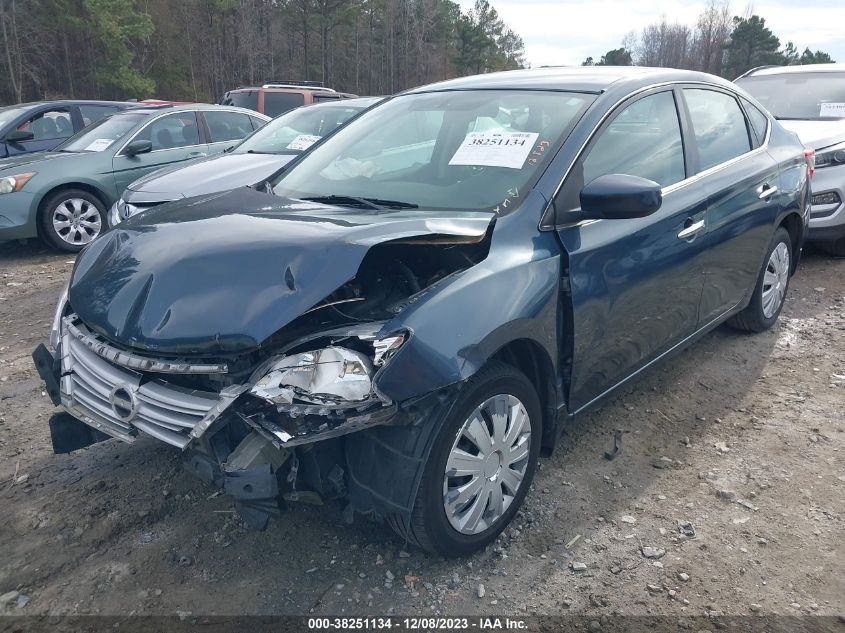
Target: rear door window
[
  {"x": 227, "y": 126},
  {"x": 276, "y": 103},
  {"x": 720, "y": 129}
]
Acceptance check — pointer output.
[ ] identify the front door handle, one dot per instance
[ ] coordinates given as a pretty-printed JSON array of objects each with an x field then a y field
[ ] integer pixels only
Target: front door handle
[
  {"x": 692, "y": 230},
  {"x": 767, "y": 191},
  {"x": 197, "y": 154}
]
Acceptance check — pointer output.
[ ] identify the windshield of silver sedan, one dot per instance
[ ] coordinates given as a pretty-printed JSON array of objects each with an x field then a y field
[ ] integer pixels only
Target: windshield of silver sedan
[
  {"x": 297, "y": 130},
  {"x": 475, "y": 150},
  {"x": 103, "y": 134}
]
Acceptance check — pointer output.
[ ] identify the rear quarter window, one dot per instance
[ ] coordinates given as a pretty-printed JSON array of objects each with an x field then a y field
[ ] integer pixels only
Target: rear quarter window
[
  {"x": 759, "y": 122},
  {"x": 276, "y": 103},
  {"x": 241, "y": 99}
]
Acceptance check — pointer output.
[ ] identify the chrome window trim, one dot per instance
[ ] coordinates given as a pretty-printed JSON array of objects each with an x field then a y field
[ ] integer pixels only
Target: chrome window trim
[
  {"x": 153, "y": 119},
  {"x": 551, "y": 226}
]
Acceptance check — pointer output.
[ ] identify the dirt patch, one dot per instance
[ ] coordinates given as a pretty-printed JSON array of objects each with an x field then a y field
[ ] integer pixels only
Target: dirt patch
[{"x": 727, "y": 497}]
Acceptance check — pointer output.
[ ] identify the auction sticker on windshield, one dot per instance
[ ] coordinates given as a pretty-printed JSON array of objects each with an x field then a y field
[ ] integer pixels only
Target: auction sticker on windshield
[
  {"x": 495, "y": 149},
  {"x": 303, "y": 141},
  {"x": 99, "y": 145},
  {"x": 833, "y": 109}
]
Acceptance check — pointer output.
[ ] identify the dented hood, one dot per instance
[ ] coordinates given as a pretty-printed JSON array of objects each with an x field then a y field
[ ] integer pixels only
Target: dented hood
[{"x": 221, "y": 273}]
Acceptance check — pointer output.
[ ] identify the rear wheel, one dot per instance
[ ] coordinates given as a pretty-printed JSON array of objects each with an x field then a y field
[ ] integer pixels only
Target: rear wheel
[
  {"x": 480, "y": 467},
  {"x": 71, "y": 219},
  {"x": 770, "y": 290}
]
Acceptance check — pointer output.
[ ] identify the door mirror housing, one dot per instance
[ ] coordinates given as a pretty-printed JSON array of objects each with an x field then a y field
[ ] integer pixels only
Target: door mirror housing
[
  {"x": 138, "y": 147},
  {"x": 19, "y": 136},
  {"x": 620, "y": 197}
]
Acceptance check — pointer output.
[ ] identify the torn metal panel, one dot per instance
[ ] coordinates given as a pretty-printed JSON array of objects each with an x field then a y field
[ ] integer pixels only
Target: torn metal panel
[
  {"x": 155, "y": 303},
  {"x": 285, "y": 431}
]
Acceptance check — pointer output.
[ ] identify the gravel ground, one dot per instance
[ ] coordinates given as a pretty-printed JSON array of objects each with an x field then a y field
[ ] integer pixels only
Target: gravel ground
[{"x": 726, "y": 499}]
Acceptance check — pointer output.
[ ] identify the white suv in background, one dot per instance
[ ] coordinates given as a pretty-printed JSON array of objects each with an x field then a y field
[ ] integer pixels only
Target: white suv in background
[{"x": 810, "y": 101}]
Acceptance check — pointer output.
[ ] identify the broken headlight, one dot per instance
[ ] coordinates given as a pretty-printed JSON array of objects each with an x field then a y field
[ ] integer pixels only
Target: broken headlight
[{"x": 334, "y": 375}]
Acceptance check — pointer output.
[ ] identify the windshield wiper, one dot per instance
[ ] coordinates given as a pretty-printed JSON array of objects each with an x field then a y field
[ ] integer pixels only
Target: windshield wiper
[
  {"x": 255, "y": 151},
  {"x": 362, "y": 203},
  {"x": 393, "y": 204}
]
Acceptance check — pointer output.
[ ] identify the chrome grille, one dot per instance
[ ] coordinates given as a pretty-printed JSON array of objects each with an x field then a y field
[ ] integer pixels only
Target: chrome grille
[{"x": 89, "y": 383}]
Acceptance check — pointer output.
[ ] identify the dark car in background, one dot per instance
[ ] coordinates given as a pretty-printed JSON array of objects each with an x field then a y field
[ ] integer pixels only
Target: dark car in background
[
  {"x": 42, "y": 125},
  {"x": 408, "y": 315},
  {"x": 250, "y": 162},
  {"x": 276, "y": 98},
  {"x": 62, "y": 196},
  {"x": 810, "y": 101}
]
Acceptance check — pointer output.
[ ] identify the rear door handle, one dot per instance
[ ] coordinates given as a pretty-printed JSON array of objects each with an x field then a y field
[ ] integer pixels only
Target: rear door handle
[
  {"x": 692, "y": 230},
  {"x": 767, "y": 191}
]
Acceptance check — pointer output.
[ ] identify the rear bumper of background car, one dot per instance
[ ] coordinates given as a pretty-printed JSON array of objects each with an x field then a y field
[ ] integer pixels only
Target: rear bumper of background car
[
  {"x": 827, "y": 221},
  {"x": 17, "y": 216}
]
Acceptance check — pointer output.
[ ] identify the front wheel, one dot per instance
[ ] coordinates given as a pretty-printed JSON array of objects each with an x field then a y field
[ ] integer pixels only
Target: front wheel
[
  {"x": 71, "y": 219},
  {"x": 480, "y": 466},
  {"x": 770, "y": 290}
]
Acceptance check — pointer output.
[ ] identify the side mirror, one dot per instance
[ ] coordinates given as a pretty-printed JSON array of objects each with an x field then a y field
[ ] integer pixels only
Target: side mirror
[
  {"x": 18, "y": 136},
  {"x": 138, "y": 147},
  {"x": 620, "y": 197}
]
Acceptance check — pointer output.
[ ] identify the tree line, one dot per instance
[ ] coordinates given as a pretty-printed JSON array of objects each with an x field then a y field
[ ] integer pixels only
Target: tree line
[
  {"x": 194, "y": 50},
  {"x": 719, "y": 43}
]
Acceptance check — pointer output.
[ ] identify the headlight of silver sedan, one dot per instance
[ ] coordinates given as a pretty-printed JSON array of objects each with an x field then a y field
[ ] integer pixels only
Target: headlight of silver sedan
[{"x": 120, "y": 211}]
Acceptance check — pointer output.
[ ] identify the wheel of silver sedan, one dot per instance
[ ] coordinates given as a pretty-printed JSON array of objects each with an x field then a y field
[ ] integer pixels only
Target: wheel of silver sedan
[
  {"x": 77, "y": 221},
  {"x": 487, "y": 464},
  {"x": 775, "y": 280}
]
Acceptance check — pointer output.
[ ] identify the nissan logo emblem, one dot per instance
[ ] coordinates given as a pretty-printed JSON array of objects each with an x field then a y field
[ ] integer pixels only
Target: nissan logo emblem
[{"x": 124, "y": 403}]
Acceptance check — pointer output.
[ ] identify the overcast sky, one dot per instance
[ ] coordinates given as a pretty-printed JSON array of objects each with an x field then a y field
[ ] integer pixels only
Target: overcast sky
[{"x": 565, "y": 32}]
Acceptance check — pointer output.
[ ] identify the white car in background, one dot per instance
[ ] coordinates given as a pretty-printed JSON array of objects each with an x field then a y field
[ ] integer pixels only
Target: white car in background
[{"x": 810, "y": 101}]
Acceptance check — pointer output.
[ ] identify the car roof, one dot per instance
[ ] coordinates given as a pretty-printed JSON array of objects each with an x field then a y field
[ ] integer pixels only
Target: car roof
[
  {"x": 205, "y": 107},
  {"x": 357, "y": 102},
  {"x": 589, "y": 79},
  {"x": 788, "y": 70},
  {"x": 36, "y": 104}
]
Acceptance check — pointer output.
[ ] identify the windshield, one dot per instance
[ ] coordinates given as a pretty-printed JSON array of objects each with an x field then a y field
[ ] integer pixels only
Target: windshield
[
  {"x": 810, "y": 96},
  {"x": 297, "y": 130},
  {"x": 464, "y": 150},
  {"x": 10, "y": 113},
  {"x": 102, "y": 134}
]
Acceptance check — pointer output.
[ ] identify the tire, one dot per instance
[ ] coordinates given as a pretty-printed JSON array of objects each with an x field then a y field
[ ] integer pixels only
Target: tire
[
  {"x": 81, "y": 215},
  {"x": 430, "y": 527},
  {"x": 760, "y": 314},
  {"x": 835, "y": 248}
]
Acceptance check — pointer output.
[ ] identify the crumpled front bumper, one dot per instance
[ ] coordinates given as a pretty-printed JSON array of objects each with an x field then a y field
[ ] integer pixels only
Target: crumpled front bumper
[{"x": 113, "y": 392}]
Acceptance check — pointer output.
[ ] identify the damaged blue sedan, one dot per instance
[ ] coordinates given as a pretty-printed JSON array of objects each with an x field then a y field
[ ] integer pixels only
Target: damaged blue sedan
[{"x": 407, "y": 318}]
